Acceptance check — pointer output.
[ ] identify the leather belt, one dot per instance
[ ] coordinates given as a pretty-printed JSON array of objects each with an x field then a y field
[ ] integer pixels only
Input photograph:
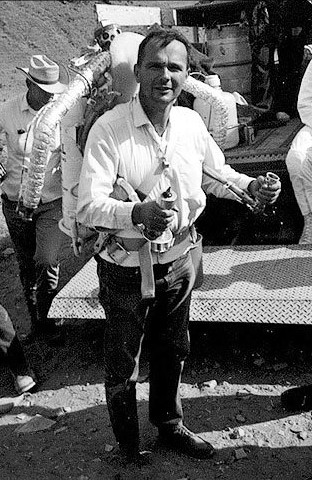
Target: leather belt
[
  {"x": 134, "y": 244},
  {"x": 119, "y": 248}
]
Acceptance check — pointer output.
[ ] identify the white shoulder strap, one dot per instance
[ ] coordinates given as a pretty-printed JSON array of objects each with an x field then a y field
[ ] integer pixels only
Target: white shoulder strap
[{"x": 161, "y": 168}]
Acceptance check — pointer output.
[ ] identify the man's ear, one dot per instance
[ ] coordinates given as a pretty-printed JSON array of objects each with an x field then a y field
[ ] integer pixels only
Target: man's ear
[{"x": 136, "y": 71}]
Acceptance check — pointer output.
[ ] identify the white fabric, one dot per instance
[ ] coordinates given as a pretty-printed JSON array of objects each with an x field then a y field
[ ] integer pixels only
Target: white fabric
[
  {"x": 299, "y": 157},
  {"x": 295, "y": 160},
  {"x": 15, "y": 120},
  {"x": 71, "y": 164},
  {"x": 307, "y": 175},
  {"x": 304, "y": 103},
  {"x": 124, "y": 54}
]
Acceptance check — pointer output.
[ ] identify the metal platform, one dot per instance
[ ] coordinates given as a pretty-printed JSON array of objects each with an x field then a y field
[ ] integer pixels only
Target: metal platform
[
  {"x": 252, "y": 284},
  {"x": 271, "y": 145}
]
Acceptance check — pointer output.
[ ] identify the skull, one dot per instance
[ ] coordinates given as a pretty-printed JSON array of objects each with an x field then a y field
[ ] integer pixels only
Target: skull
[{"x": 104, "y": 35}]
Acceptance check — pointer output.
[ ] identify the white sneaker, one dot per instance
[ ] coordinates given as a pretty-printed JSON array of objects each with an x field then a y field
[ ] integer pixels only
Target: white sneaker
[{"x": 23, "y": 383}]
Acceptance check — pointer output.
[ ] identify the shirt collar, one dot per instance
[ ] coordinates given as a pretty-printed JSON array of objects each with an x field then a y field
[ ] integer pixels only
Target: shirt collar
[{"x": 139, "y": 116}]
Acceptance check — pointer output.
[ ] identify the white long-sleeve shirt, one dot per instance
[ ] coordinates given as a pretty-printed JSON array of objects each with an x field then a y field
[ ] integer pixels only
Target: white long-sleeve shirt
[
  {"x": 16, "y": 121},
  {"x": 124, "y": 142},
  {"x": 299, "y": 158},
  {"x": 304, "y": 103}
]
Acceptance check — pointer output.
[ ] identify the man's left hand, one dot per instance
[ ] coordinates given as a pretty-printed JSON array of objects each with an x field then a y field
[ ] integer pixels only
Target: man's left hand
[{"x": 263, "y": 191}]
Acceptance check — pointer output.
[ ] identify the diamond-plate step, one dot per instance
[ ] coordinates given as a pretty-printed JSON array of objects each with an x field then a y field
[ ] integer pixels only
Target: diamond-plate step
[{"x": 253, "y": 284}]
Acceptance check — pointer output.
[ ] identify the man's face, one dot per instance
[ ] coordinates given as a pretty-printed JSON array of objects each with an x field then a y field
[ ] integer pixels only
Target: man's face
[
  {"x": 162, "y": 73},
  {"x": 42, "y": 97}
]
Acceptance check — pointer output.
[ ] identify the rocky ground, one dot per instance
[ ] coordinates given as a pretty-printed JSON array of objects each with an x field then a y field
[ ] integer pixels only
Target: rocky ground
[{"x": 232, "y": 381}]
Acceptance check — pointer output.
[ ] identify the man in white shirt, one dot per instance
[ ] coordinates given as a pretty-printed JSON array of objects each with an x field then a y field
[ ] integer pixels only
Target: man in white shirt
[
  {"x": 299, "y": 157},
  {"x": 156, "y": 154},
  {"x": 37, "y": 242}
]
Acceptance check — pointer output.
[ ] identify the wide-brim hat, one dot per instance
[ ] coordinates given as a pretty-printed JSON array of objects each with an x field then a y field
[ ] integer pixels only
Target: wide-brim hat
[{"x": 47, "y": 74}]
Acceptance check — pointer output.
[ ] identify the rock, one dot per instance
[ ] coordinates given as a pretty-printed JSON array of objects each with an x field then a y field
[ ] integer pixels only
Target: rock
[
  {"x": 210, "y": 384},
  {"x": 237, "y": 433},
  {"x": 108, "y": 448},
  {"x": 8, "y": 403},
  {"x": 243, "y": 393},
  {"x": 239, "y": 454},
  {"x": 35, "y": 424},
  {"x": 57, "y": 412},
  {"x": 282, "y": 117},
  {"x": 303, "y": 435},
  {"x": 22, "y": 416},
  {"x": 240, "y": 418},
  {"x": 246, "y": 392}
]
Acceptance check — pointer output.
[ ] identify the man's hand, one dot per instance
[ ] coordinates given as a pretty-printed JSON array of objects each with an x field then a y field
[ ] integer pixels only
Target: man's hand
[
  {"x": 264, "y": 191},
  {"x": 152, "y": 216}
]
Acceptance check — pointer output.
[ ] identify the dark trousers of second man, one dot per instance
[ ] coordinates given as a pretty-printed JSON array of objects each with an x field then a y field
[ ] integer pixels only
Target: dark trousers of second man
[{"x": 37, "y": 244}]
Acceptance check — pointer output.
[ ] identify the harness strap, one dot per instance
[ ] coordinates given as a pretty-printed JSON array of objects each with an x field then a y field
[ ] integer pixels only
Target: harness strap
[
  {"x": 118, "y": 248},
  {"x": 147, "y": 272}
]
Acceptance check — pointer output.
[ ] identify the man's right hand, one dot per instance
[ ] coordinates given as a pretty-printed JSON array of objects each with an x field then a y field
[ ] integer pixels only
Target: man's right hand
[{"x": 152, "y": 216}]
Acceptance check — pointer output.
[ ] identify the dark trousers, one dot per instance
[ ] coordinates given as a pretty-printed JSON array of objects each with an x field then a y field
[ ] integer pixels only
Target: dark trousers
[
  {"x": 10, "y": 347},
  {"x": 164, "y": 324},
  {"x": 37, "y": 244},
  {"x": 275, "y": 87}
]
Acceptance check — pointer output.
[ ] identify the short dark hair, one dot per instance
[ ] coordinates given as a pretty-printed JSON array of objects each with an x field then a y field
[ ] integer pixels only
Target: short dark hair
[{"x": 161, "y": 38}]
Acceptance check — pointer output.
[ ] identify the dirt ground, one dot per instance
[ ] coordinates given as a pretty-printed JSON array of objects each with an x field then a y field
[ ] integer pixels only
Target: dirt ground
[{"x": 232, "y": 381}]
